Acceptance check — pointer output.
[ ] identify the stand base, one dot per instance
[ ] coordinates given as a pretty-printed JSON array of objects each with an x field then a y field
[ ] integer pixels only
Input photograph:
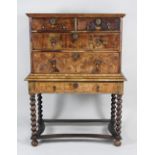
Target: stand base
[
  {"x": 114, "y": 124},
  {"x": 41, "y": 136}
]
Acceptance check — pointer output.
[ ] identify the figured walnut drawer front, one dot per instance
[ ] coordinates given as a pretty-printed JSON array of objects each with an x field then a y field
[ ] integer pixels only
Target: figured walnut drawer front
[
  {"x": 75, "y": 62},
  {"x": 76, "y": 87},
  {"x": 52, "y": 24},
  {"x": 98, "y": 24},
  {"x": 78, "y": 41}
]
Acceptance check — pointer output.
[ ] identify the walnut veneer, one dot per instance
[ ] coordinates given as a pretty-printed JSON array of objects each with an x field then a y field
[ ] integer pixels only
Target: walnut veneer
[{"x": 76, "y": 53}]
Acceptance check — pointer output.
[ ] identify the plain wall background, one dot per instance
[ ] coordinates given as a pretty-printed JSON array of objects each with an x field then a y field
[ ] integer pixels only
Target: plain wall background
[{"x": 78, "y": 106}]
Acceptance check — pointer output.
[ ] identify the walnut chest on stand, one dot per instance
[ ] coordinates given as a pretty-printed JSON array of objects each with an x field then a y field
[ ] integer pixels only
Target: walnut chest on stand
[{"x": 75, "y": 53}]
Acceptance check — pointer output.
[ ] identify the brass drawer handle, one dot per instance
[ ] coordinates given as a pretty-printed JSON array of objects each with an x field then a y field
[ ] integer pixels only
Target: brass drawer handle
[
  {"x": 53, "y": 42},
  {"x": 97, "y": 66},
  {"x": 75, "y": 36},
  {"x": 75, "y": 85},
  {"x": 100, "y": 42},
  {"x": 43, "y": 27},
  {"x": 53, "y": 66},
  {"x": 98, "y": 62}
]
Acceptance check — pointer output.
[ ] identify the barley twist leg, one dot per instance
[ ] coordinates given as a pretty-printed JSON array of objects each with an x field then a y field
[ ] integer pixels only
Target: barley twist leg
[
  {"x": 117, "y": 140},
  {"x": 41, "y": 125},
  {"x": 112, "y": 124},
  {"x": 33, "y": 120}
]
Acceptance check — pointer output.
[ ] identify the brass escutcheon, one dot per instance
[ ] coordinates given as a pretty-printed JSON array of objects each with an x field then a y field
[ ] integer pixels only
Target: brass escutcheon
[
  {"x": 54, "y": 88},
  {"x": 98, "y": 21},
  {"x": 97, "y": 88},
  {"x": 52, "y": 21},
  {"x": 75, "y": 85},
  {"x": 75, "y": 56}
]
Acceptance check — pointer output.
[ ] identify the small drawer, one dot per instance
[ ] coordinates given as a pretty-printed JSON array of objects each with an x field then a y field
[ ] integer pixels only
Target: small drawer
[
  {"x": 99, "y": 24},
  {"x": 76, "y": 87},
  {"x": 76, "y": 41},
  {"x": 52, "y": 24},
  {"x": 75, "y": 62}
]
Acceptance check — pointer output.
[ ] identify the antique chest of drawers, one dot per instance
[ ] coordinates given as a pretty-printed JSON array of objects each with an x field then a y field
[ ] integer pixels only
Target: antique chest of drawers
[{"x": 76, "y": 53}]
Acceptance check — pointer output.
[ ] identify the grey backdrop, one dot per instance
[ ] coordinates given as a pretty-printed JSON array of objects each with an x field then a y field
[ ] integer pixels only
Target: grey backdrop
[{"x": 78, "y": 106}]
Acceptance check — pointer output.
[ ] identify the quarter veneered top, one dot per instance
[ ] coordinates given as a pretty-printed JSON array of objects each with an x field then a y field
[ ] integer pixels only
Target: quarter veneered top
[{"x": 40, "y": 15}]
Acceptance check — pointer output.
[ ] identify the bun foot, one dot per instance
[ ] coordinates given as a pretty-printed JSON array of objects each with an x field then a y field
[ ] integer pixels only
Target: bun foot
[
  {"x": 117, "y": 142},
  {"x": 34, "y": 143}
]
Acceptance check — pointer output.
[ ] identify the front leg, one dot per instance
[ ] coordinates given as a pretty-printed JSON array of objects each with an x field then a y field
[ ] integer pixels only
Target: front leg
[
  {"x": 117, "y": 140},
  {"x": 41, "y": 125},
  {"x": 33, "y": 120},
  {"x": 112, "y": 124}
]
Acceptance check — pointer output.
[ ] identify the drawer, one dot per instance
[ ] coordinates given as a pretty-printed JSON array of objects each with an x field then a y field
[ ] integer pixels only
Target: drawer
[
  {"x": 75, "y": 62},
  {"x": 76, "y": 87},
  {"x": 52, "y": 24},
  {"x": 98, "y": 24},
  {"x": 76, "y": 41}
]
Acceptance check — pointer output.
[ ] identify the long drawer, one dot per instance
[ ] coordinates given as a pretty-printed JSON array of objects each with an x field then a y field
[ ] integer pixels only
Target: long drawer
[
  {"x": 75, "y": 62},
  {"x": 78, "y": 41},
  {"x": 76, "y": 87}
]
